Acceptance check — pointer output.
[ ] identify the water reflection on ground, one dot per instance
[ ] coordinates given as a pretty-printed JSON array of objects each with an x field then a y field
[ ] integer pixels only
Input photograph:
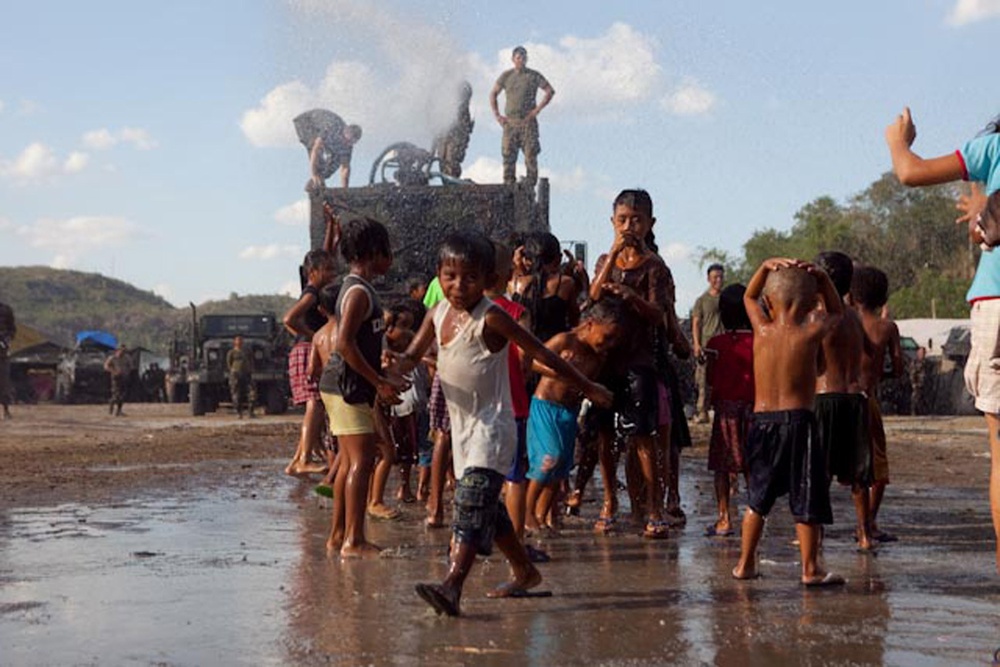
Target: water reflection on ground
[{"x": 237, "y": 573}]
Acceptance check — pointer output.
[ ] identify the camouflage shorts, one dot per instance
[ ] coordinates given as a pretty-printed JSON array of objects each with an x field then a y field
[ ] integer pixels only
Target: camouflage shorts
[{"x": 479, "y": 515}]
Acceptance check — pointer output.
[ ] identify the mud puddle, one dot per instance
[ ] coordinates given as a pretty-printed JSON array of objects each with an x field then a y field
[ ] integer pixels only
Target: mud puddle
[{"x": 233, "y": 570}]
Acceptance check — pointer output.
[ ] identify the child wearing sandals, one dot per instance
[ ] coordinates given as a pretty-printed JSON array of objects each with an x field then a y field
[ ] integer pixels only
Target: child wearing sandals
[
  {"x": 730, "y": 375},
  {"x": 472, "y": 335},
  {"x": 783, "y": 453}
]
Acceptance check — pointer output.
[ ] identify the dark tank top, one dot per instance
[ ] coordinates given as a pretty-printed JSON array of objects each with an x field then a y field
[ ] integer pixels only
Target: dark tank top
[
  {"x": 338, "y": 376},
  {"x": 313, "y": 318}
]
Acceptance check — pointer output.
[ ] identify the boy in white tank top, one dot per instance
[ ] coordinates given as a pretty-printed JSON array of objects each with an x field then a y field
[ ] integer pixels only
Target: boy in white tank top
[{"x": 472, "y": 335}]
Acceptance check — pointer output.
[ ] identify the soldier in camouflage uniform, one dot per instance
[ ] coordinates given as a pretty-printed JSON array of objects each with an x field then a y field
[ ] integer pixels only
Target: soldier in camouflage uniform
[
  {"x": 119, "y": 365},
  {"x": 519, "y": 122},
  {"x": 7, "y": 329},
  {"x": 240, "y": 365},
  {"x": 450, "y": 147}
]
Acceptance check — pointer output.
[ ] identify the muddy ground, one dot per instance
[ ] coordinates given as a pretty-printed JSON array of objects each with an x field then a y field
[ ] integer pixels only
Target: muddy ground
[{"x": 159, "y": 538}]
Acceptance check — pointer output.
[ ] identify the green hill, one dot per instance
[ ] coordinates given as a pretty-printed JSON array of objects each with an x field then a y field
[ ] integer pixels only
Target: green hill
[{"x": 61, "y": 303}]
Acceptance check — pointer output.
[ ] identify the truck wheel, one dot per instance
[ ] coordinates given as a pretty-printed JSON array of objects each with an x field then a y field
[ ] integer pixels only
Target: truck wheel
[
  {"x": 275, "y": 401},
  {"x": 173, "y": 393},
  {"x": 195, "y": 399}
]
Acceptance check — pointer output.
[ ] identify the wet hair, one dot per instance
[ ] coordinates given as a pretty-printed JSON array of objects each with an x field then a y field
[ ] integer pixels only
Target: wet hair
[
  {"x": 415, "y": 308},
  {"x": 328, "y": 295},
  {"x": 640, "y": 200},
  {"x": 610, "y": 309},
  {"x": 715, "y": 266},
  {"x": 354, "y": 131},
  {"x": 519, "y": 49},
  {"x": 503, "y": 261},
  {"x": 839, "y": 267},
  {"x": 315, "y": 260},
  {"x": 790, "y": 285},
  {"x": 469, "y": 246},
  {"x": 402, "y": 309},
  {"x": 541, "y": 249},
  {"x": 364, "y": 238},
  {"x": 870, "y": 287},
  {"x": 732, "y": 310}
]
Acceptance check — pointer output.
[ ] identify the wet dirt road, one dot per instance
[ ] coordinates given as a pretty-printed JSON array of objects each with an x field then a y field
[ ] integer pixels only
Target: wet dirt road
[{"x": 229, "y": 567}]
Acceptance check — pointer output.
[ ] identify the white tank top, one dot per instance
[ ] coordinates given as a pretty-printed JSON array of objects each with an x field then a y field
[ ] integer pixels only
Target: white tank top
[{"x": 476, "y": 385}]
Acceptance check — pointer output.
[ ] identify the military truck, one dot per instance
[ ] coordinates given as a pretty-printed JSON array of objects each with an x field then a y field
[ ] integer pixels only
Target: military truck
[
  {"x": 207, "y": 377},
  {"x": 80, "y": 375}
]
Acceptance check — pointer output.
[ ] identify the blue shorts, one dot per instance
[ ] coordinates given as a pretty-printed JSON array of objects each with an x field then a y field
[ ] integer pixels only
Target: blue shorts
[
  {"x": 520, "y": 466},
  {"x": 551, "y": 441}
]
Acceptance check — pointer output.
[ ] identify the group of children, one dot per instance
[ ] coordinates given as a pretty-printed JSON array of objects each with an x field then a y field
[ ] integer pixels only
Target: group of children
[{"x": 501, "y": 385}]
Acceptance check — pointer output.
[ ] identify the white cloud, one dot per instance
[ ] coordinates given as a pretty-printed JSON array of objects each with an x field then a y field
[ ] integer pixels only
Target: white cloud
[
  {"x": 295, "y": 214},
  {"x": 76, "y": 162},
  {"x": 971, "y": 11},
  {"x": 79, "y": 236},
  {"x": 271, "y": 251},
  {"x": 489, "y": 170},
  {"x": 164, "y": 291},
  {"x": 484, "y": 170},
  {"x": 676, "y": 252},
  {"x": 103, "y": 138},
  {"x": 688, "y": 99},
  {"x": 291, "y": 288}
]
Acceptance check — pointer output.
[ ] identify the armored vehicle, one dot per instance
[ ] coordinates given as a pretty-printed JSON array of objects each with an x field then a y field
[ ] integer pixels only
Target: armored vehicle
[{"x": 207, "y": 377}]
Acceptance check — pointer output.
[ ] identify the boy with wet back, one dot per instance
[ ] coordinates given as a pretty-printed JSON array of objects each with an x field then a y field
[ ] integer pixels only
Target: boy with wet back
[
  {"x": 472, "y": 335},
  {"x": 841, "y": 406},
  {"x": 555, "y": 405},
  {"x": 783, "y": 454},
  {"x": 869, "y": 294}
]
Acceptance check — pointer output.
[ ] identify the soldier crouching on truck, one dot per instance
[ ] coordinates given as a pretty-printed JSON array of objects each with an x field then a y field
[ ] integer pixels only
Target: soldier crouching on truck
[
  {"x": 120, "y": 367},
  {"x": 239, "y": 362}
]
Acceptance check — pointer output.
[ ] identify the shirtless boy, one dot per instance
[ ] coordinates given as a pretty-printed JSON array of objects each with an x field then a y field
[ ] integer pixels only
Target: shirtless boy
[
  {"x": 783, "y": 454},
  {"x": 869, "y": 293},
  {"x": 841, "y": 407},
  {"x": 552, "y": 423}
]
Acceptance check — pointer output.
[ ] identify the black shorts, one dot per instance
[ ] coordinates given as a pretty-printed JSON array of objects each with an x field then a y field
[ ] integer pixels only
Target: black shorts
[
  {"x": 480, "y": 517},
  {"x": 637, "y": 402},
  {"x": 783, "y": 455},
  {"x": 842, "y": 423}
]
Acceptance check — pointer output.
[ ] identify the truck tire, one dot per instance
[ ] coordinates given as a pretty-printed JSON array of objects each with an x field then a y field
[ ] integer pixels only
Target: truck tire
[
  {"x": 173, "y": 393},
  {"x": 275, "y": 402},
  {"x": 195, "y": 399}
]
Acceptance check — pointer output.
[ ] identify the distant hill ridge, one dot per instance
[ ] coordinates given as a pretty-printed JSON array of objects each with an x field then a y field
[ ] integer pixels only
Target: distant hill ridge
[{"x": 61, "y": 302}]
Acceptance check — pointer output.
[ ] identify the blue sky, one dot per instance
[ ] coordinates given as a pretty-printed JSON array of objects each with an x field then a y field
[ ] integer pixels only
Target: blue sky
[{"x": 153, "y": 142}]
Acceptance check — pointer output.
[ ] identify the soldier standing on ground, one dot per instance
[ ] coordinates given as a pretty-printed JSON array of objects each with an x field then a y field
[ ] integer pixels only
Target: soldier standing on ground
[
  {"x": 120, "y": 367},
  {"x": 705, "y": 323},
  {"x": 7, "y": 328},
  {"x": 240, "y": 365},
  {"x": 519, "y": 122}
]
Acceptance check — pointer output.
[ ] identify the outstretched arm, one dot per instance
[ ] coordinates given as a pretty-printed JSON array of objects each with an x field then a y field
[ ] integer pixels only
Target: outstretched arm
[
  {"x": 910, "y": 168},
  {"x": 418, "y": 347},
  {"x": 331, "y": 239}
]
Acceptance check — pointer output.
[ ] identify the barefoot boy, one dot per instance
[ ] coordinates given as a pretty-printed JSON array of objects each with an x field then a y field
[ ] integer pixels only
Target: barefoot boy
[
  {"x": 841, "y": 407},
  {"x": 472, "y": 335},
  {"x": 552, "y": 423},
  {"x": 869, "y": 293},
  {"x": 783, "y": 454}
]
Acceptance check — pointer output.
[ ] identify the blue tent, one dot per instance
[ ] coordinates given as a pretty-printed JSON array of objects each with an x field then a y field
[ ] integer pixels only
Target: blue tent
[{"x": 98, "y": 338}]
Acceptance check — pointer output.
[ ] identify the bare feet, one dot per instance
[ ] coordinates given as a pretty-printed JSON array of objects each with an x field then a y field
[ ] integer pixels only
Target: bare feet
[
  {"x": 822, "y": 580},
  {"x": 745, "y": 573},
  {"x": 442, "y": 600},
  {"x": 362, "y": 550},
  {"x": 296, "y": 469},
  {"x": 517, "y": 586},
  {"x": 334, "y": 544},
  {"x": 383, "y": 512}
]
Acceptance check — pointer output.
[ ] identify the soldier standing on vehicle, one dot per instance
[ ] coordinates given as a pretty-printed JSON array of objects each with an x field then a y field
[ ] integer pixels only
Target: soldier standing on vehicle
[
  {"x": 239, "y": 362},
  {"x": 7, "y": 329},
  {"x": 520, "y": 122},
  {"x": 119, "y": 366}
]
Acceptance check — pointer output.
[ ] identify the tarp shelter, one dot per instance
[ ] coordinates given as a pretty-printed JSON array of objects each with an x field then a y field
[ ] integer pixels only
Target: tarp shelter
[{"x": 97, "y": 338}]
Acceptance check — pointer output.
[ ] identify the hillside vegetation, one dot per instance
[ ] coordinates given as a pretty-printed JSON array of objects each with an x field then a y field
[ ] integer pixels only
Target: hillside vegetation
[{"x": 60, "y": 303}]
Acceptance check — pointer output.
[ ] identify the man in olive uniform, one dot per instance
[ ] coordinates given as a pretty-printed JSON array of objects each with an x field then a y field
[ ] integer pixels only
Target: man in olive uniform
[
  {"x": 705, "y": 323},
  {"x": 7, "y": 329},
  {"x": 519, "y": 122},
  {"x": 240, "y": 365},
  {"x": 119, "y": 366},
  {"x": 329, "y": 142}
]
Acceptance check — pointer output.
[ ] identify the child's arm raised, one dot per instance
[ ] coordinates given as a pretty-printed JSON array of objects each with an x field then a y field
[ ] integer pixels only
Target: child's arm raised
[
  {"x": 419, "y": 345},
  {"x": 751, "y": 298},
  {"x": 500, "y": 323},
  {"x": 910, "y": 168},
  {"x": 331, "y": 238}
]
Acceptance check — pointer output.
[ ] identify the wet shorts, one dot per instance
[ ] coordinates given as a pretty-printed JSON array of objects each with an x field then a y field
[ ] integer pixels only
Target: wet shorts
[
  {"x": 842, "y": 424},
  {"x": 730, "y": 427},
  {"x": 347, "y": 419},
  {"x": 551, "y": 441},
  {"x": 783, "y": 455},
  {"x": 637, "y": 407},
  {"x": 876, "y": 434},
  {"x": 480, "y": 517},
  {"x": 520, "y": 466}
]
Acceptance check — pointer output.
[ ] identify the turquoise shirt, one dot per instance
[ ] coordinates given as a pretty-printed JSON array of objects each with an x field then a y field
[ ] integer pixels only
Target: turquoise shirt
[{"x": 981, "y": 158}]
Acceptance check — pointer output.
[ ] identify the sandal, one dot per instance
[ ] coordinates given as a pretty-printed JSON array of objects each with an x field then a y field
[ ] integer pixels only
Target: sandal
[
  {"x": 605, "y": 524},
  {"x": 656, "y": 530}
]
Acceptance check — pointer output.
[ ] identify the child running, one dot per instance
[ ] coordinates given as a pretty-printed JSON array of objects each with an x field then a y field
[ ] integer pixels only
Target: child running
[
  {"x": 552, "y": 424},
  {"x": 783, "y": 455},
  {"x": 472, "y": 335},
  {"x": 730, "y": 377},
  {"x": 841, "y": 407},
  {"x": 869, "y": 293}
]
